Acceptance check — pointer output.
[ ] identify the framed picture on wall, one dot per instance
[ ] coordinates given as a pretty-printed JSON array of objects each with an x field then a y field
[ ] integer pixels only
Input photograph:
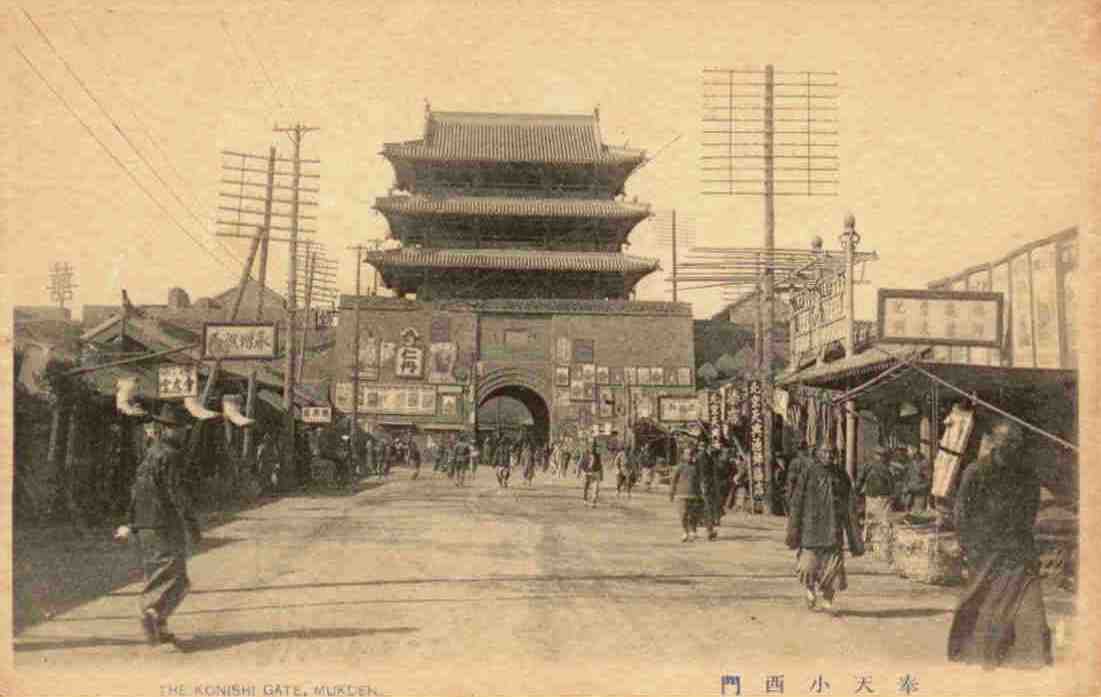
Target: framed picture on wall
[
  {"x": 588, "y": 372},
  {"x": 615, "y": 376},
  {"x": 630, "y": 375},
  {"x": 657, "y": 376},
  {"x": 578, "y": 392},
  {"x": 684, "y": 376},
  {"x": 602, "y": 375},
  {"x": 562, "y": 376},
  {"x": 644, "y": 376}
]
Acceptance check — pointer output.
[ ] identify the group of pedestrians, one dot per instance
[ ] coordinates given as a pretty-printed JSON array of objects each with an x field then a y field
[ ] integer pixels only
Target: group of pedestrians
[{"x": 1000, "y": 618}]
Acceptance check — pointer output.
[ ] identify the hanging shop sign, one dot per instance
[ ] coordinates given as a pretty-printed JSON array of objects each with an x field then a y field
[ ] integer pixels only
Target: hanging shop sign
[
  {"x": 409, "y": 358},
  {"x": 317, "y": 415},
  {"x": 678, "y": 409},
  {"x": 239, "y": 340},
  {"x": 950, "y": 318},
  {"x": 817, "y": 318},
  {"x": 177, "y": 381},
  {"x": 757, "y": 441},
  {"x": 407, "y": 400}
]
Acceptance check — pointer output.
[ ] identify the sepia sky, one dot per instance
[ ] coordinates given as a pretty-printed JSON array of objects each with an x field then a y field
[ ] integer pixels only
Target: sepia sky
[{"x": 964, "y": 126}]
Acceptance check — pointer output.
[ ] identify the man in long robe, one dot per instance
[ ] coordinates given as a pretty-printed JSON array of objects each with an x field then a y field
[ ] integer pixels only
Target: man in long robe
[
  {"x": 1000, "y": 619},
  {"x": 819, "y": 523}
]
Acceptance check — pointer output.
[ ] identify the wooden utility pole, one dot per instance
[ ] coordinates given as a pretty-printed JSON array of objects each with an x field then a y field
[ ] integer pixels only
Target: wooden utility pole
[
  {"x": 674, "y": 255},
  {"x": 359, "y": 249},
  {"x": 311, "y": 269},
  {"x": 769, "y": 299},
  {"x": 295, "y": 133},
  {"x": 742, "y": 103},
  {"x": 263, "y": 233}
]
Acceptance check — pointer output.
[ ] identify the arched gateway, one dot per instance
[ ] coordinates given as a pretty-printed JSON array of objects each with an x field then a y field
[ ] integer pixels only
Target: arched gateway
[{"x": 526, "y": 387}]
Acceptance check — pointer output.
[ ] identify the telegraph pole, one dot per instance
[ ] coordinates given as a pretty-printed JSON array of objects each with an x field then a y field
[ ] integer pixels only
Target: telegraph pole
[
  {"x": 295, "y": 133},
  {"x": 768, "y": 298},
  {"x": 735, "y": 109},
  {"x": 61, "y": 283},
  {"x": 359, "y": 249},
  {"x": 674, "y": 255}
]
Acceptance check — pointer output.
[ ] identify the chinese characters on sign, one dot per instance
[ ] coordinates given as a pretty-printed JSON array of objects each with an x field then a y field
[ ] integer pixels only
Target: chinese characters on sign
[
  {"x": 409, "y": 362},
  {"x": 177, "y": 381},
  {"x": 239, "y": 340},
  {"x": 817, "y": 317},
  {"x": 678, "y": 409},
  {"x": 757, "y": 441},
  {"x": 317, "y": 415},
  {"x": 954, "y": 318}
]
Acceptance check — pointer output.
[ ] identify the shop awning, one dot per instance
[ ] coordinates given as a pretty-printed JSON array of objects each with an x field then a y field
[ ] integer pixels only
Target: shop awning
[{"x": 837, "y": 374}]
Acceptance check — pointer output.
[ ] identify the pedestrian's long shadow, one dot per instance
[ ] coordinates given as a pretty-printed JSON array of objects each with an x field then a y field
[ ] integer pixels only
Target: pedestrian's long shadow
[
  {"x": 895, "y": 613},
  {"x": 215, "y": 642}
]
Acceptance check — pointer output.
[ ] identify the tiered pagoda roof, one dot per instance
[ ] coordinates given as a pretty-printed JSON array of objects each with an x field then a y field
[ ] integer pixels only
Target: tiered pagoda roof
[
  {"x": 491, "y": 137},
  {"x": 511, "y": 205},
  {"x": 508, "y": 207},
  {"x": 512, "y": 260}
]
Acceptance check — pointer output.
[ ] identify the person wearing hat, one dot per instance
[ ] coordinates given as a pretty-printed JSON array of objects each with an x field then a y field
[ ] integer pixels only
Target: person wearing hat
[
  {"x": 684, "y": 488},
  {"x": 818, "y": 527},
  {"x": 876, "y": 482},
  {"x": 162, "y": 520}
]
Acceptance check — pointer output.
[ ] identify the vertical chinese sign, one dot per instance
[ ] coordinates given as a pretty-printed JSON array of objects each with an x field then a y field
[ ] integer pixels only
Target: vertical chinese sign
[{"x": 757, "y": 444}]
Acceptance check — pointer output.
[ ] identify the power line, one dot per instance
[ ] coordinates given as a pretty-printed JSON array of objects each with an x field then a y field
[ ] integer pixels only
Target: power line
[
  {"x": 115, "y": 124},
  {"x": 129, "y": 104},
  {"x": 115, "y": 158},
  {"x": 244, "y": 66}
]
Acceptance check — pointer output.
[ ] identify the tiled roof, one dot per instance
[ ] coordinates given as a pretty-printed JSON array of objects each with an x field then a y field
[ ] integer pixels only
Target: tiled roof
[
  {"x": 489, "y": 137},
  {"x": 511, "y": 260},
  {"x": 512, "y": 207}
]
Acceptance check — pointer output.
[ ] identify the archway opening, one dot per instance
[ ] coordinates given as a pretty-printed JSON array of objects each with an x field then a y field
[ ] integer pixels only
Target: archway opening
[{"x": 517, "y": 411}]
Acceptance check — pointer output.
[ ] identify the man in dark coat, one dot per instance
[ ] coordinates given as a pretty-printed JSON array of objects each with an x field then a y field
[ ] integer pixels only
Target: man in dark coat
[
  {"x": 684, "y": 488},
  {"x": 709, "y": 484},
  {"x": 1000, "y": 619},
  {"x": 163, "y": 520},
  {"x": 819, "y": 522}
]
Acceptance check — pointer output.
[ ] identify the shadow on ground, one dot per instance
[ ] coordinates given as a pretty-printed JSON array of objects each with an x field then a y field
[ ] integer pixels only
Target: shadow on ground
[
  {"x": 895, "y": 613},
  {"x": 215, "y": 642},
  {"x": 45, "y": 560}
]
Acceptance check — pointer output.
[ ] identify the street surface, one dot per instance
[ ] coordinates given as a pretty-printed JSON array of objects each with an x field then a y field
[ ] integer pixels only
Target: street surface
[{"x": 420, "y": 587}]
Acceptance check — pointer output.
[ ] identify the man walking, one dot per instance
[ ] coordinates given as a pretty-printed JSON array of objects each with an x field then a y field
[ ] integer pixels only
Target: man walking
[
  {"x": 461, "y": 458},
  {"x": 163, "y": 521},
  {"x": 819, "y": 523},
  {"x": 684, "y": 488},
  {"x": 1000, "y": 619},
  {"x": 709, "y": 485},
  {"x": 594, "y": 474}
]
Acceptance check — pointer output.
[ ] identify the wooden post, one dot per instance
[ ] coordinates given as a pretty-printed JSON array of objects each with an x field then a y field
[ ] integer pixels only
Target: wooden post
[
  {"x": 849, "y": 239},
  {"x": 769, "y": 299}
]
